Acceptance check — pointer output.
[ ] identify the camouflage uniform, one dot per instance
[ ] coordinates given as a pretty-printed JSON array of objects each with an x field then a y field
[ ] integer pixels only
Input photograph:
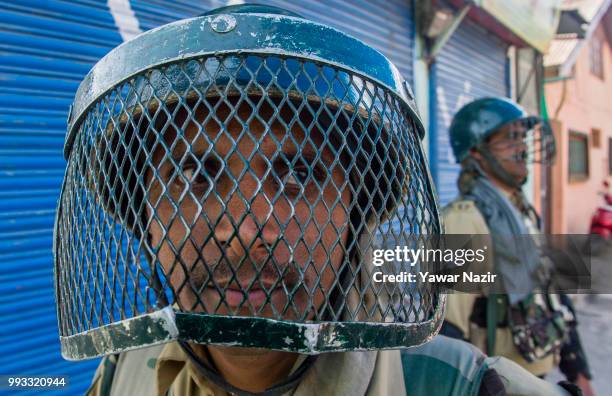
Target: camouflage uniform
[
  {"x": 443, "y": 366},
  {"x": 463, "y": 217}
]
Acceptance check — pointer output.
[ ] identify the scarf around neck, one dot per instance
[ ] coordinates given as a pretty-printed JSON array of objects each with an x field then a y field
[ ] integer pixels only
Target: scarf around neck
[{"x": 517, "y": 257}]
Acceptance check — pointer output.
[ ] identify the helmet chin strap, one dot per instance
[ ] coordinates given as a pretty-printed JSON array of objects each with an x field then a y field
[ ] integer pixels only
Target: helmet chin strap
[
  {"x": 498, "y": 170},
  {"x": 212, "y": 374}
]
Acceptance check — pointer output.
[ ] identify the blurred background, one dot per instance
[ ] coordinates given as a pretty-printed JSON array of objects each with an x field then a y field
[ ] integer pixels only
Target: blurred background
[{"x": 552, "y": 56}]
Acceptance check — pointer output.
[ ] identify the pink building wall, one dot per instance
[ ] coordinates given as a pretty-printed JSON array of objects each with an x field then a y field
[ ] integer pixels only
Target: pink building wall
[{"x": 587, "y": 105}]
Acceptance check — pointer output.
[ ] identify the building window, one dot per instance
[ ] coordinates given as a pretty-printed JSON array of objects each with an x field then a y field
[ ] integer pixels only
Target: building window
[
  {"x": 596, "y": 138},
  {"x": 595, "y": 57},
  {"x": 578, "y": 156}
]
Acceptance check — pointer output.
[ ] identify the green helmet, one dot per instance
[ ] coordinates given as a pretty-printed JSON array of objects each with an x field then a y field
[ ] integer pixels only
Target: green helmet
[
  {"x": 229, "y": 179},
  {"x": 481, "y": 118}
]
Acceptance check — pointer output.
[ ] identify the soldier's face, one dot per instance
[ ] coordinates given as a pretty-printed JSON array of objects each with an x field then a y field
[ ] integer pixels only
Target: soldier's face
[
  {"x": 247, "y": 220},
  {"x": 508, "y": 146}
]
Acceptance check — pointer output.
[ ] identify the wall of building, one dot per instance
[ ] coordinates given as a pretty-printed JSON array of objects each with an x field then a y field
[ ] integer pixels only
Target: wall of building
[
  {"x": 472, "y": 65},
  {"x": 585, "y": 104}
]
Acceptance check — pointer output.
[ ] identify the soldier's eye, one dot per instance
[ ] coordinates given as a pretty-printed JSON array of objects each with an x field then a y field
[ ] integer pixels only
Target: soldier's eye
[
  {"x": 296, "y": 178},
  {"x": 518, "y": 135},
  {"x": 301, "y": 175},
  {"x": 199, "y": 176},
  {"x": 194, "y": 175}
]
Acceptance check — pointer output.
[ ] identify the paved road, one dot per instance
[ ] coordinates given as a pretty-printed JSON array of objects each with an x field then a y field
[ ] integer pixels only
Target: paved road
[
  {"x": 596, "y": 331},
  {"x": 595, "y": 321}
]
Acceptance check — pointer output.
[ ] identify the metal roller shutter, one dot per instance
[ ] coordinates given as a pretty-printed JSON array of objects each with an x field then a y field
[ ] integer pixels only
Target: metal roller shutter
[
  {"x": 46, "y": 48},
  {"x": 386, "y": 25},
  {"x": 471, "y": 65}
]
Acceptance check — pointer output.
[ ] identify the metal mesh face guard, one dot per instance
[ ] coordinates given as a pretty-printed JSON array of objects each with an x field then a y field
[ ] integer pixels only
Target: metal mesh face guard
[
  {"x": 236, "y": 199},
  {"x": 541, "y": 144}
]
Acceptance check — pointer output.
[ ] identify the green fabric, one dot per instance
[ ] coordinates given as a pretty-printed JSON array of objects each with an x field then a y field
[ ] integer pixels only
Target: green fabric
[
  {"x": 491, "y": 324},
  {"x": 497, "y": 308},
  {"x": 443, "y": 366},
  {"x": 110, "y": 364},
  {"x": 543, "y": 108}
]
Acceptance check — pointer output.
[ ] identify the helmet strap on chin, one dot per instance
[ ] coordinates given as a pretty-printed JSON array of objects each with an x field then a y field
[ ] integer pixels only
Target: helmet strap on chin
[
  {"x": 498, "y": 170},
  {"x": 212, "y": 374}
]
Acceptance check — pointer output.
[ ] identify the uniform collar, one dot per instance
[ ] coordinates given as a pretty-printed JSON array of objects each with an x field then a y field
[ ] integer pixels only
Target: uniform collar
[
  {"x": 173, "y": 365},
  {"x": 169, "y": 364}
]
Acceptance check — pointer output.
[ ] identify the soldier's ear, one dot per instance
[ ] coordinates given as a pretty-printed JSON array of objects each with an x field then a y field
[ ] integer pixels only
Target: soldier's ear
[
  {"x": 480, "y": 159},
  {"x": 474, "y": 153}
]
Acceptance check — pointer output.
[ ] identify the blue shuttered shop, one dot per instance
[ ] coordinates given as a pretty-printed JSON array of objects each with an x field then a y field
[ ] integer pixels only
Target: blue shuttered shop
[
  {"x": 46, "y": 47},
  {"x": 471, "y": 65}
]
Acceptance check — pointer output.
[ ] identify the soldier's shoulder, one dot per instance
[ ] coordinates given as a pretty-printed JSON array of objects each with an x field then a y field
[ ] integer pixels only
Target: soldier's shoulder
[
  {"x": 462, "y": 216},
  {"x": 444, "y": 366},
  {"x": 518, "y": 381},
  {"x": 460, "y": 204},
  {"x": 447, "y": 366},
  {"x": 450, "y": 351},
  {"x": 130, "y": 373}
]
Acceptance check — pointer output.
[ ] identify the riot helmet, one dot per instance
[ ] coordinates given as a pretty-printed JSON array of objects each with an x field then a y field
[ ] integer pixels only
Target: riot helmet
[
  {"x": 228, "y": 179},
  {"x": 501, "y": 131}
]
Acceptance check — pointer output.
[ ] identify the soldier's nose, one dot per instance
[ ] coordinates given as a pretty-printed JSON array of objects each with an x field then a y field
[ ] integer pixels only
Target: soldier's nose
[{"x": 247, "y": 228}]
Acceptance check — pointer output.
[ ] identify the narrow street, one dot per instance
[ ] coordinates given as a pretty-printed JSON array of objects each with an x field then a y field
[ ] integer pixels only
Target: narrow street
[{"x": 595, "y": 321}]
